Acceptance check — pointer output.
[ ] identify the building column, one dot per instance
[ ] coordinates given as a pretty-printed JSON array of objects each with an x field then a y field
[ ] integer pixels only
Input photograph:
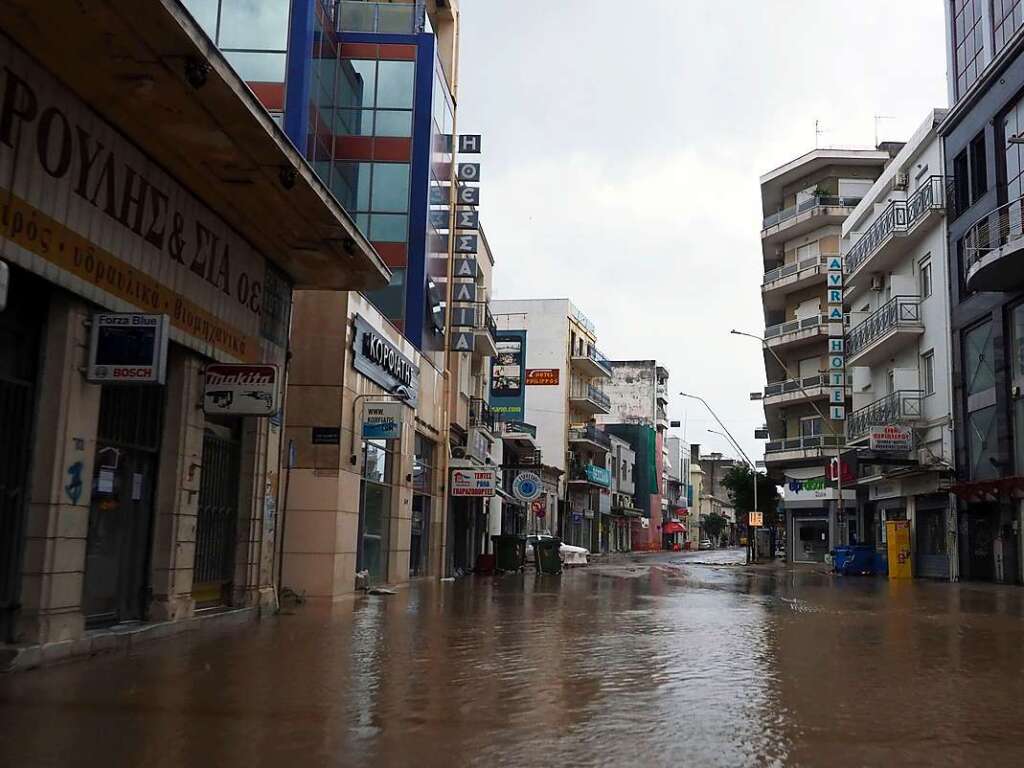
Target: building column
[
  {"x": 60, "y": 486},
  {"x": 178, "y": 484}
]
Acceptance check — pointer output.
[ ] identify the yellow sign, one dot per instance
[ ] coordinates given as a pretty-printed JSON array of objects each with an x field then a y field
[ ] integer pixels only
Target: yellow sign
[
  {"x": 756, "y": 519},
  {"x": 898, "y": 536}
]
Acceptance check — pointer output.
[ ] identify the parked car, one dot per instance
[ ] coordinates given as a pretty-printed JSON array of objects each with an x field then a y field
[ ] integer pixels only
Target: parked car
[
  {"x": 705, "y": 543},
  {"x": 570, "y": 555}
]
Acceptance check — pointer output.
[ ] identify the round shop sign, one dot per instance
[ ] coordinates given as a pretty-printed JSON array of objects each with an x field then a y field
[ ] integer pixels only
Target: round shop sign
[{"x": 527, "y": 486}]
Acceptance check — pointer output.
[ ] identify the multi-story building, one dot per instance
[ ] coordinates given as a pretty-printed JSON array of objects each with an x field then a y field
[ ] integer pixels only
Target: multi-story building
[
  {"x": 716, "y": 498},
  {"x": 983, "y": 155},
  {"x": 549, "y": 373},
  {"x": 638, "y": 396},
  {"x": 172, "y": 222},
  {"x": 695, "y": 497},
  {"x": 896, "y": 294},
  {"x": 805, "y": 203},
  {"x": 617, "y": 522},
  {"x": 674, "y": 506}
]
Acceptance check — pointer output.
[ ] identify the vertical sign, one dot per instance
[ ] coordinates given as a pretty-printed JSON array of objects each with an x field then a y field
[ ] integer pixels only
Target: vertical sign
[
  {"x": 508, "y": 376},
  {"x": 836, "y": 341},
  {"x": 466, "y": 243}
]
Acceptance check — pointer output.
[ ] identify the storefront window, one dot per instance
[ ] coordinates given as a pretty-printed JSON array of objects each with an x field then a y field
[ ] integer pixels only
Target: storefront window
[
  {"x": 422, "y": 485},
  {"x": 375, "y": 510}
]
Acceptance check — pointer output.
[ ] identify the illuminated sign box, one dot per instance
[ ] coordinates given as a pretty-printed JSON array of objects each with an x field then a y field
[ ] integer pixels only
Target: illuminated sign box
[{"x": 128, "y": 348}]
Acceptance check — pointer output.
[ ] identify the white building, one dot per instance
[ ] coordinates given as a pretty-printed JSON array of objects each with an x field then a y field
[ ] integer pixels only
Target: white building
[
  {"x": 898, "y": 349},
  {"x": 563, "y": 376}
]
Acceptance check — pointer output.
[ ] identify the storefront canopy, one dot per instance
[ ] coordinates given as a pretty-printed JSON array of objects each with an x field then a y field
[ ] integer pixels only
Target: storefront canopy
[
  {"x": 147, "y": 67},
  {"x": 673, "y": 527}
]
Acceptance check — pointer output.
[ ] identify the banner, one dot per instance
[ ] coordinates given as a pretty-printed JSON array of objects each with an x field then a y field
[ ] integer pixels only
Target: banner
[{"x": 508, "y": 376}]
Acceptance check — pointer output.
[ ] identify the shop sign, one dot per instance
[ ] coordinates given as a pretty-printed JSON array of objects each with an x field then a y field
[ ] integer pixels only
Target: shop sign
[
  {"x": 128, "y": 348},
  {"x": 381, "y": 361},
  {"x": 241, "y": 390},
  {"x": 577, "y": 517},
  {"x": 887, "y": 489},
  {"x": 325, "y": 436},
  {"x": 598, "y": 475},
  {"x": 541, "y": 377},
  {"x": 539, "y": 507},
  {"x": 467, "y": 219},
  {"x": 527, "y": 486},
  {"x": 463, "y": 341},
  {"x": 508, "y": 373},
  {"x": 382, "y": 421},
  {"x": 91, "y": 212},
  {"x": 469, "y": 143},
  {"x": 467, "y": 172},
  {"x": 891, "y": 438},
  {"x": 474, "y": 482},
  {"x": 466, "y": 266},
  {"x": 756, "y": 519}
]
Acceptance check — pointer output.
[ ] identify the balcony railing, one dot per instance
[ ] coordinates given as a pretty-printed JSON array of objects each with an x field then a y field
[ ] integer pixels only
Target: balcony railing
[
  {"x": 899, "y": 216},
  {"x": 795, "y": 385},
  {"x": 803, "y": 443},
  {"x": 819, "y": 201},
  {"x": 895, "y": 408},
  {"x": 590, "y": 392},
  {"x": 480, "y": 415},
  {"x": 792, "y": 326},
  {"x": 995, "y": 229},
  {"x": 489, "y": 323},
  {"x": 899, "y": 311},
  {"x": 591, "y": 433},
  {"x": 796, "y": 267},
  {"x": 385, "y": 18}
]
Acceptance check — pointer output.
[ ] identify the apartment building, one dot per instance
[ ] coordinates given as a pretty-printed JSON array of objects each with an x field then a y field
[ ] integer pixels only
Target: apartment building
[
  {"x": 638, "y": 398},
  {"x": 805, "y": 202},
  {"x": 617, "y": 521},
  {"x": 550, "y": 373},
  {"x": 984, "y": 158},
  {"x": 896, "y": 295},
  {"x": 716, "y": 499}
]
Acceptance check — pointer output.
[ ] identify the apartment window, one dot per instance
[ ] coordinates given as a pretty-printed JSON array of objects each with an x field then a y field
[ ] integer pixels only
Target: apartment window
[
  {"x": 979, "y": 385},
  {"x": 807, "y": 251},
  {"x": 928, "y": 372},
  {"x": 1006, "y": 19},
  {"x": 252, "y": 36},
  {"x": 810, "y": 426},
  {"x": 926, "y": 277},
  {"x": 968, "y": 43},
  {"x": 970, "y": 174}
]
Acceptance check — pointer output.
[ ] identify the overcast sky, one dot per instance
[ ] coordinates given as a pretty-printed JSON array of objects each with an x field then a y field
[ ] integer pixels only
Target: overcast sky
[{"x": 623, "y": 144}]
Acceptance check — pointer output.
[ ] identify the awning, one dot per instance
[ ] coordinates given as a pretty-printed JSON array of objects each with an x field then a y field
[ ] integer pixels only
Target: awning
[{"x": 673, "y": 527}]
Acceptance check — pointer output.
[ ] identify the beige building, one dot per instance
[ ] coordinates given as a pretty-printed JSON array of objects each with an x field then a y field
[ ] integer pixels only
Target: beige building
[{"x": 135, "y": 493}]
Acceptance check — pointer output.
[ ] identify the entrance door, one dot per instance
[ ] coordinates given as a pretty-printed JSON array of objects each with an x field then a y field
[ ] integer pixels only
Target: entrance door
[
  {"x": 932, "y": 557},
  {"x": 20, "y": 325},
  {"x": 121, "y": 511},
  {"x": 811, "y": 543},
  {"x": 981, "y": 536},
  {"x": 217, "y": 521}
]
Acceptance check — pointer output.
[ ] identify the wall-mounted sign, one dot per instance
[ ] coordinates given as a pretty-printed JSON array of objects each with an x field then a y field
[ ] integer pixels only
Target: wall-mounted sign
[
  {"x": 891, "y": 438},
  {"x": 474, "y": 482},
  {"x": 467, "y": 172},
  {"x": 541, "y": 377},
  {"x": 539, "y": 507},
  {"x": 463, "y": 317},
  {"x": 326, "y": 436},
  {"x": 464, "y": 292},
  {"x": 467, "y": 219},
  {"x": 508, "y": 391},
  {"x": 469, "y": 143},
  {"x": 382, "y": 421},
  {"x": 756, "y": 519},
  {"x": 760, "y": 434},
  {"x": 463, "y": 341},
  {"x": 381, "y": 361},
  {"x": 527, "y": 486},
  {"x": 467, "y": 243},
  {"x": 598, "y": 475},
  {"x": 128, "y": 348},
  {"x": 241, "y": 390},
  {"x": 465, "y": 266},
  {"x": 468, "y": 195}
]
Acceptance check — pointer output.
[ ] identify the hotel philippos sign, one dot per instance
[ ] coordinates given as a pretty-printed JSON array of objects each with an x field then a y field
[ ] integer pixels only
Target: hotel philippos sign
[{"x": 81, "y": 206}]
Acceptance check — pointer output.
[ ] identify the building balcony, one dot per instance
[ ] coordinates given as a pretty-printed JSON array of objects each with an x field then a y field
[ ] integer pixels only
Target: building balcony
[
  {"x": 781, "y": 281},
  {"x": 899, "y": 408},
  {"x": 661, "y": 393},
  {"x": 590, "y": 474},
  {"x": 384, "y": 18},
  {"x": 884, "y": 331},
  {"x": 994, "y": 250},
  {"x": 592, "y": 364},
  {"x": 590, "y": 399},
  {"x": 522, "y": 435},
  {"x": 795, "y": 450},
  {"x": 799, "y": 390},
  {"x": 486, "y": 332},
  {"x": 591, "y": 437},
  {"x": 818, "y": 211},
  {"x": 481, "y": 417},
  {"x": 796, "y": 332},
  {"x": 661, "y": 418},
  {"x": 898, "y": 227}
]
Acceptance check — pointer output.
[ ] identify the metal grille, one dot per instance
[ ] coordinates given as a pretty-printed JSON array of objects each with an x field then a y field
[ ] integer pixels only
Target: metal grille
[
  {"x": 131, "y": 416},
  {"x": 16, "y": 418},
  {"x": 218, "y": 511}
]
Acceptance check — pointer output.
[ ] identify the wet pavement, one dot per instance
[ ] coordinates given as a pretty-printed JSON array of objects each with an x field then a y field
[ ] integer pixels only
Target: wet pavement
[{"x": 644, "y": 660}]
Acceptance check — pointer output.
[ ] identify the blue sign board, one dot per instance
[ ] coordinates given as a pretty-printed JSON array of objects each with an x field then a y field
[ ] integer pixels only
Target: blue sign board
[{"x": 599, "y": 475}]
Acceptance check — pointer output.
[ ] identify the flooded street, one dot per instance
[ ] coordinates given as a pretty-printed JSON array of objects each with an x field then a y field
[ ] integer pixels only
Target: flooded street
[{"x": 645, "y": 661}]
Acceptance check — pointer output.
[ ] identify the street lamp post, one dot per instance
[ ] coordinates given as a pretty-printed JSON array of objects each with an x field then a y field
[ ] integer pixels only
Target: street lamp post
[
  {"x": 751, "y": 547},
  {"x": 840, "y": 508}
]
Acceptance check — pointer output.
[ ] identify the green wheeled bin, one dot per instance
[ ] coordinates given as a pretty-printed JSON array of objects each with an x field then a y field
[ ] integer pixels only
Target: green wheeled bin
[
  {"x": 547, "y": 556},
  {"x": 509, "y": 552}
]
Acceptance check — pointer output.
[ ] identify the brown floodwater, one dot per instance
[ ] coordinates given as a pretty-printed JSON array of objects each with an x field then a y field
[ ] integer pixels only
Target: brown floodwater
[{"x": 609, "y": 666}]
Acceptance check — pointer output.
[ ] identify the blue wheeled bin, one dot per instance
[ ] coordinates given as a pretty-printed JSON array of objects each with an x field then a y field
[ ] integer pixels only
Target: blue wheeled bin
[{"x": 858, "y": 559}]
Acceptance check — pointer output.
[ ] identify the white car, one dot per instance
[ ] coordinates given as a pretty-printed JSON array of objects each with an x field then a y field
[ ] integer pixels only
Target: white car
[
  {"x": 705, "y": 544},
  {"x": 570, "y": 555}
]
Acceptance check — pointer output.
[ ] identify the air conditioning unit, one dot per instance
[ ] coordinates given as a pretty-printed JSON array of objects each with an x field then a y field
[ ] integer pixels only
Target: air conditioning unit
[
  {"x": 458, "y": 452},
  {"x": 877, "y": 283},
  {"x": 900, "y": 181}
]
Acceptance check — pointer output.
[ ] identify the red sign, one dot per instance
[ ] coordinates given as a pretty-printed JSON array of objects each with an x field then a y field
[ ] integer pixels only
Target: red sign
[
  {"x": 539, "y": 507},
  {"x": 542, "y": 377},
  {"x": 846, "y": 472}
]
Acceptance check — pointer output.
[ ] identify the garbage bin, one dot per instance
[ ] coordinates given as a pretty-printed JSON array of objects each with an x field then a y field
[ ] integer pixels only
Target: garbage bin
[
  {"x": 856, "y": 559},
  {"x": 546, "y": 553},
  {"x": 509, "y": 552}
]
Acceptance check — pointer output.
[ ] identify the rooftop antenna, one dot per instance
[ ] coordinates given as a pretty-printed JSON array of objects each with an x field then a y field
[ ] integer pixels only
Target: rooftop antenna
[{"x": 877, "y": 119}]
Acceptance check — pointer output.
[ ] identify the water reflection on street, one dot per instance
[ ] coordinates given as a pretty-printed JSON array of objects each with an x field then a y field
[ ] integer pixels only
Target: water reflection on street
[{"x": 660, "y": 661}]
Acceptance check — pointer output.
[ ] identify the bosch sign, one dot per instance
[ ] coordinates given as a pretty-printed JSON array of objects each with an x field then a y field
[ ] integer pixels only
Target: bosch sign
[{"x": 128, "y": 348}]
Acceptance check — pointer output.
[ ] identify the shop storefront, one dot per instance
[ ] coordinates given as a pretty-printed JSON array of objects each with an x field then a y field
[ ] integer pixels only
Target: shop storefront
[{"x": 813, "y": 524}]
